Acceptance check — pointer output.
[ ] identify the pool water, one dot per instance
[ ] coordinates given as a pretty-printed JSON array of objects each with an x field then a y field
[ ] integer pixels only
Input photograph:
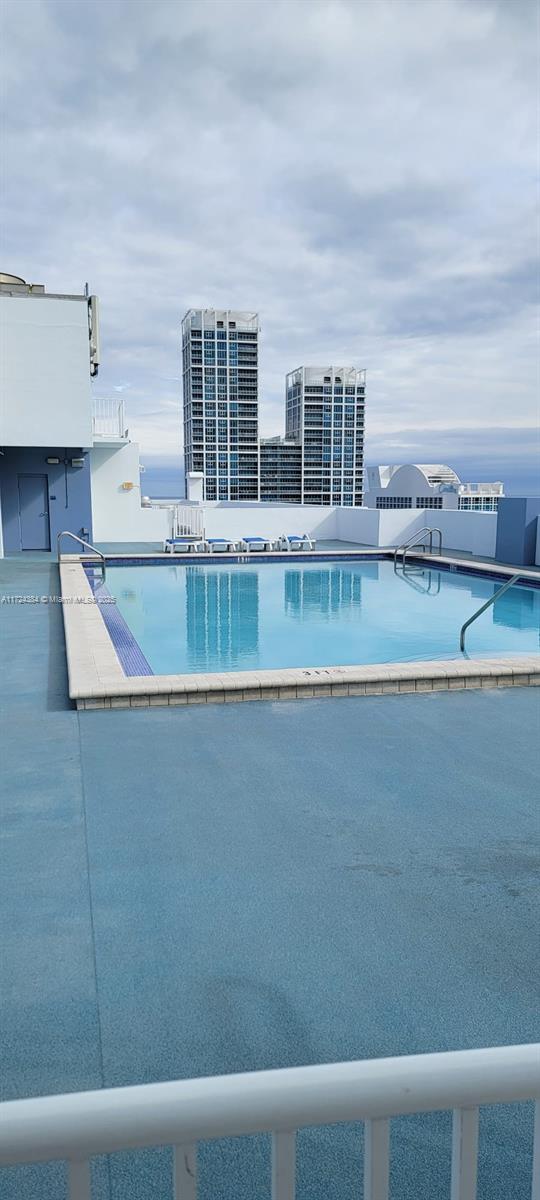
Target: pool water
[{"x": 194, "y": 617}]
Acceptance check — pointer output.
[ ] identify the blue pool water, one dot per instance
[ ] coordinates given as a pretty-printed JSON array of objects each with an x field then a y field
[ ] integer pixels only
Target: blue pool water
[{"x": 195, "y": 617}]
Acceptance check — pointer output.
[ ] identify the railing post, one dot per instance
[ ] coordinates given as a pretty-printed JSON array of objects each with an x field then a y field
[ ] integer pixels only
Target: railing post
[
  {"x": 464, "y": 1153},
  {"x": 283, "y": 1166},
  {"x": 79, "y": 1180},
  {"x": 185, "y": 1172},
  {"x": 376, "y": 1159}
]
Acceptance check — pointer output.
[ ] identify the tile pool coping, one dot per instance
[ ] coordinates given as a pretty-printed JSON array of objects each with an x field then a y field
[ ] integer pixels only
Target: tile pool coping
[{"x": 97, "y": 679}]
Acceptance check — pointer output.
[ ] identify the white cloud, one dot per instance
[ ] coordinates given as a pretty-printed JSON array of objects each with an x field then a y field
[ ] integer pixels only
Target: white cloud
[{"x": 359, "y": 172}]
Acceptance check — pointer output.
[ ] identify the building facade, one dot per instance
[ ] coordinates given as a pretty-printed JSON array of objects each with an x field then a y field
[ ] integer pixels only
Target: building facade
[
  {"x": 281, "y": 470},
  {"x": 66, "y": 462},
  {"x": 428, "y": 485},
  {"x": 48, "y": 358},
  {"x": 325, "y": 409},
  {"x": 220, "y": 359}
]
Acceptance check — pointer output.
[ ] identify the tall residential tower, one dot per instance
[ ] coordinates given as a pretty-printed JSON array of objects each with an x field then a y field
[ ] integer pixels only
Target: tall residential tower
[
  {"x": 325, "y": 413},
  {"x": 221, "y": 411}
]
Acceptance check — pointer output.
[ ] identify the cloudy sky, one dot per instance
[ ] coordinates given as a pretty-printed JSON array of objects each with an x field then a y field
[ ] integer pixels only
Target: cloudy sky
[{"x": 361, "y": 172}]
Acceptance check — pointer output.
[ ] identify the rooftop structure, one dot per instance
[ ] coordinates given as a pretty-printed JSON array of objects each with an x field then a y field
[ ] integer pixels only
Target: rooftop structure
[
  {"x": 67, "y": 461},
  {"x": 428, "y": 485}
]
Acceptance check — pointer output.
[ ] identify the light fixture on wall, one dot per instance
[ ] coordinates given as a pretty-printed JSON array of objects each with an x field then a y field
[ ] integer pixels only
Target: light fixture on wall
[
  {"x": 53, "y": 462},
  {"x": 127, "y": 487},
  {"x": 77, "y": 462}
]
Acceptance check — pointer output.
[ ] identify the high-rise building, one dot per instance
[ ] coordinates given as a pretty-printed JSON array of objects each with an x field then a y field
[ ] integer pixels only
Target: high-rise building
[
  {"x": 281, "y": 470},
  {"x": 221, "y": 413},
  {"x": 325, "y": 412}
]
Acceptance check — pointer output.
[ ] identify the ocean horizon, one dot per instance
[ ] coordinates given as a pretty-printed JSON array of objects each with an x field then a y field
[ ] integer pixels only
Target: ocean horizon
[{"x": 168, "y": 482}]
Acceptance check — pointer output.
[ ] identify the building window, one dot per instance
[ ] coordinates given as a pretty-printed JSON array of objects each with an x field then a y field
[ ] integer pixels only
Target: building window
[{"x": 393, "y": 502}]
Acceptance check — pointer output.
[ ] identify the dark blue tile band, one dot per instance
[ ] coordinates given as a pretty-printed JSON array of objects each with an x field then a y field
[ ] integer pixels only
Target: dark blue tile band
[
  {"x": 462, "y": 568},
  {"x": 129, "y": 652}
]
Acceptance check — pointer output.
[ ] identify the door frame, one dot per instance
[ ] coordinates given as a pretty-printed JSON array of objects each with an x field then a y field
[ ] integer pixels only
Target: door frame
[{"x": 34, "y": 475}]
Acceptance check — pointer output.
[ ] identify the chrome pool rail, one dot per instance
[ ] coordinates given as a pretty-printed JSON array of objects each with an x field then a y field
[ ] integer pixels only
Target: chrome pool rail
[
  {"x": 76, "y": 538},
  {"x": 500, "y": 592},
  {"x": 413, "y": 542},
  {"x": 76, "y": 1126},
  {"x": 410, "y": 575}
]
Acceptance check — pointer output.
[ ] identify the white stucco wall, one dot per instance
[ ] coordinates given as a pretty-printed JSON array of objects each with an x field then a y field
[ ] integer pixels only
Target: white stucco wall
[
  {"x": 468, "y": 531},
  {"x": 117, "y": 515},
  {"x": 45, "y": 395},
  {"x": 358, "y": 525},
  {"x": 475, "y": 532},
  {"x": 269, "y": 520}
]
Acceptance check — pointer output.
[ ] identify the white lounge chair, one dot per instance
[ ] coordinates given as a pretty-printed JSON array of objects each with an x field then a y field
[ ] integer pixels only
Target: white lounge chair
[
  {"x": 296, "y": 541},
  {"x": 174, "y": 545},
  {"x": 256, "y": 543},
  {"x": 220, "y": 543}
]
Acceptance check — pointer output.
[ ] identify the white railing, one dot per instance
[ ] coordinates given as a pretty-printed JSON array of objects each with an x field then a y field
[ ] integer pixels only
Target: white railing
[
  {"x": 77, "y": 1126},
  {"x": 188, "y": 519},
  {"x": 108, "y": 419}
]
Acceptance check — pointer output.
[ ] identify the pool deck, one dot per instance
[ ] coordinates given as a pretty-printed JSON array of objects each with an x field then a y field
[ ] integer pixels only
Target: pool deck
[
  {"x": 97, "y": 678},
  {"x": 200, "y": 890}
]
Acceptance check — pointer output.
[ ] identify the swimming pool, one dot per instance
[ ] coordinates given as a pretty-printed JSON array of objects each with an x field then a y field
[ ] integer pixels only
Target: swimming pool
[{"x": 203, "y": 617}]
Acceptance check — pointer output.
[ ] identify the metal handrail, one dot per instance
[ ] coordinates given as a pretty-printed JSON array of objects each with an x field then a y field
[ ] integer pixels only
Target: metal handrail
[
  {"x": 411, "y": 544},
  {"x": 500, "y": 592},
  {"x": 425, "y": 591},
  {"x": 75, "y": 1127},
  {"x": 89, "y": 546}
]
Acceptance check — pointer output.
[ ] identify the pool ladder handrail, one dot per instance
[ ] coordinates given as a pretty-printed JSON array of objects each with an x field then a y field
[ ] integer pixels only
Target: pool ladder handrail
[
  {"x": 413, "y": 542},
  {"x": 500, "y": 592},
  {"x": 89, "y": 546},
  {"x": 430, "y": 590}
]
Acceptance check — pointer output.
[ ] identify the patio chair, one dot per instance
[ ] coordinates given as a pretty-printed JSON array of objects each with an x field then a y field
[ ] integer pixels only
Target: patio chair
[
  {"x": 175, "y": 545},
  {"x": 220, "y": 543},
  {"x": 256, "y": 543},
  {"x": 296, "y": 541}
]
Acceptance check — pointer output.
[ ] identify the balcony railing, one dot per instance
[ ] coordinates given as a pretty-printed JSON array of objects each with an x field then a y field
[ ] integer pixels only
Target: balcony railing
[
  {"x": 108, "y": 420},
  {"x": 77, "y": 1126}
]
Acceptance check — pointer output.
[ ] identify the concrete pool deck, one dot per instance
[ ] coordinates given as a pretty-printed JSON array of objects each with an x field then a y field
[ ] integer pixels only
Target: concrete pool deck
[{"x": 198, "y": 890}]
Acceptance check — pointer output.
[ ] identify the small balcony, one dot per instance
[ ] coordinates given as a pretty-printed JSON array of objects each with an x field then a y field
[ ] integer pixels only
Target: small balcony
[{"x": 108, "y": 422}]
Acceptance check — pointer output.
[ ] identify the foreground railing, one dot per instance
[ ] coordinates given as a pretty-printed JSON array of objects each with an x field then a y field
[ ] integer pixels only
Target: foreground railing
[{"x": 76, "y": 1126}]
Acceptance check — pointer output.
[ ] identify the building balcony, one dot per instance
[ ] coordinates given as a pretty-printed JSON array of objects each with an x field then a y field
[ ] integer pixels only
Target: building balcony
[{"x": 108, "y": 422}]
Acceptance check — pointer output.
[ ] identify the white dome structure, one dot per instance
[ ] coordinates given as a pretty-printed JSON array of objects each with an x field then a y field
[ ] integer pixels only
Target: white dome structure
[{"x": 428, "y": 485}]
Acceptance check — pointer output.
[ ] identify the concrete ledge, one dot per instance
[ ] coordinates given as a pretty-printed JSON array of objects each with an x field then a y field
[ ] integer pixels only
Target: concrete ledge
[{"x": 96, "y": 678}]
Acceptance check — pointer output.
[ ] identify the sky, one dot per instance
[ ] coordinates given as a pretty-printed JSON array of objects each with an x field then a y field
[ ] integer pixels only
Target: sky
[{"x": 363, "y": 173}]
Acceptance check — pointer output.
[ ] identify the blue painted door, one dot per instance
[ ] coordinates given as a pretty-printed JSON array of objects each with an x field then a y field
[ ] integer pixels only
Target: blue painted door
[{"x": 34, "y": 512}]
